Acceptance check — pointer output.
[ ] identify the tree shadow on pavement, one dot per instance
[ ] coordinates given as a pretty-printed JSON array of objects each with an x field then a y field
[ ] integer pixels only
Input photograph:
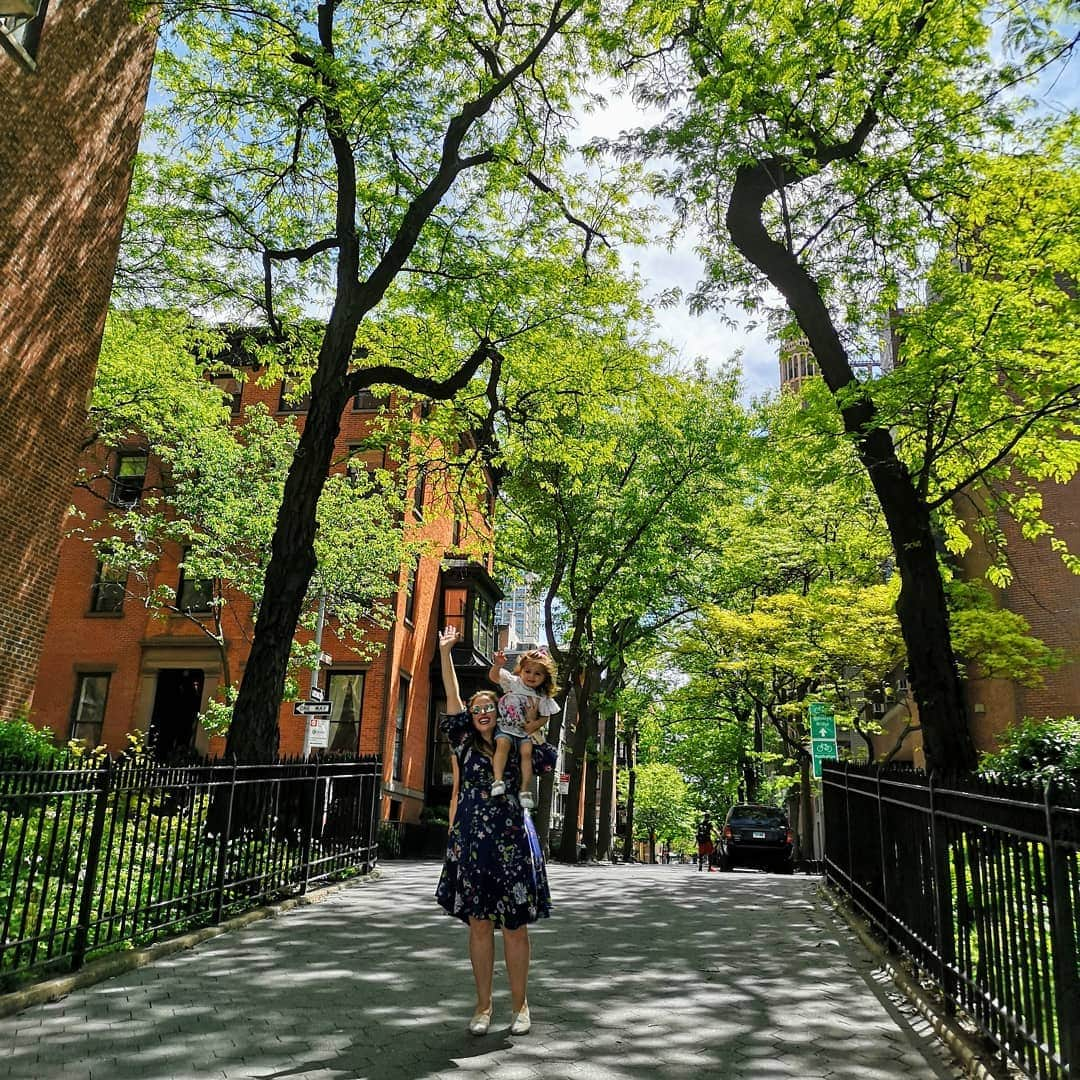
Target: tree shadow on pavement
[{"x": 641, "y": 972}]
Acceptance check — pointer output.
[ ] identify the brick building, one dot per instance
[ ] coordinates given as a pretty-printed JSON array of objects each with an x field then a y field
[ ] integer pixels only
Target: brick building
[
  {"x": 1043, "y": 591},
  {"x": 73, "y": 83},
  {"x": 108, "y": 666},
  {"x": 1047, "y": 594}
]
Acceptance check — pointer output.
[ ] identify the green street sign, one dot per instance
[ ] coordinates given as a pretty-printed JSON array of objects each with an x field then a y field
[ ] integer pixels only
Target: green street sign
[
  {"x": 816, "y": 772},
  {"x": 823, "y": 748},
  {"x": 822, "y": 723}
]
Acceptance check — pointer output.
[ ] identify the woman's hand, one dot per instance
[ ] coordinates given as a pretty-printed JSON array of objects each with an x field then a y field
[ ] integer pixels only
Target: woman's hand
[{"x": 448, "y": 638}]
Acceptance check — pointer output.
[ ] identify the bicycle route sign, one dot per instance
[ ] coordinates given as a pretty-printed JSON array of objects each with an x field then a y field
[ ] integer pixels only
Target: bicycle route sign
[{"x": 822, "y": 735}]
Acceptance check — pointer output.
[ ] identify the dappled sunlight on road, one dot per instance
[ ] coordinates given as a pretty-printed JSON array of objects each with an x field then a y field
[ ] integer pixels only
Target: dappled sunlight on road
[{"x": 641, "y": 972}]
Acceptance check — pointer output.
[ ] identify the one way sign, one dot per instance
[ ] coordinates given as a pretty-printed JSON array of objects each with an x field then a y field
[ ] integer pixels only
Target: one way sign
[{"x": 312, "y": 708}]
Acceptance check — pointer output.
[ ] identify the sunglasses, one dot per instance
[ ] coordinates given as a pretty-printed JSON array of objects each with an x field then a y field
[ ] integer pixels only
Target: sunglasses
[{"x": 479, "y": 710}]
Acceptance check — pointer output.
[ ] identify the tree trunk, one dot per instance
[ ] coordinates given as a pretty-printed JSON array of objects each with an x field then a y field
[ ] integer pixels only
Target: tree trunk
[
  {"x": 547, "y": 787},
  {"x": 590, "y": 780},
  {"x": 921, "y": 607},
  {"x": 652, "y": 847},
  {"x": 568, "y": 849},
  {"x": 253, "y": 734},
  {"x": 806, "y": 812},
  {"x": 607, "y": 787},
  {"x": 631, "y": 784}
]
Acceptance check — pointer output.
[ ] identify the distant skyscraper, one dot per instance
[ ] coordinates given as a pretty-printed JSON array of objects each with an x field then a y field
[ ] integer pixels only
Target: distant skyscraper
[
  {"x": 796, "y": 363},
  {"x": 521, "y": 612}
]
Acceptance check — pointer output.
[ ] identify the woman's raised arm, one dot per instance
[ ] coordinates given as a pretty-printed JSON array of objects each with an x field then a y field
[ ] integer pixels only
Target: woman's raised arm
[{"x": 447, "y": 640}]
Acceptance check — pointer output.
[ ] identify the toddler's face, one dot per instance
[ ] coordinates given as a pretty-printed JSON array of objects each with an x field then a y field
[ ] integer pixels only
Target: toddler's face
[{"x": 532, "y": 674}]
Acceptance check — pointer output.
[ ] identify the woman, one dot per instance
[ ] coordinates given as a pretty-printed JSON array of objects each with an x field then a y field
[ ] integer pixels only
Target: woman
[
  {"x": 494, "y": 874},
  {"x": 705, "y": 844}
]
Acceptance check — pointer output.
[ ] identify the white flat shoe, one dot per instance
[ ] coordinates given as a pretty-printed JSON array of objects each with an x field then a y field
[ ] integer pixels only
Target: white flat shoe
[
  {"x": 522, "y": 1022},
  {"x": 480, "y": 1022}
]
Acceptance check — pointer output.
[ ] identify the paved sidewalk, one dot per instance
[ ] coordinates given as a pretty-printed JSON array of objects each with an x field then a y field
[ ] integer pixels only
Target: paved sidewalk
[{"x": 642, "y": 972}]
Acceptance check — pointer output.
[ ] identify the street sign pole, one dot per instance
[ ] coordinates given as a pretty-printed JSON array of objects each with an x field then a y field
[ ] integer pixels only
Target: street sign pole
[{"x": 313, "y": 685}]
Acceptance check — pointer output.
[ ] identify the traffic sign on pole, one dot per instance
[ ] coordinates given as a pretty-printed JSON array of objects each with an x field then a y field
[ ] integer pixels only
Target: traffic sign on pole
[
  {"x": 822, "y": 735},
  {"x": 822, "y": 722},
  {"x": 318, "y": 731},
  {"x": 312, "y": 708}
]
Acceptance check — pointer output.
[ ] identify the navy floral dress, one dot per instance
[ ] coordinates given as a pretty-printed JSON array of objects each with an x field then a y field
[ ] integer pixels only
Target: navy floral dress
[{"x": 494, "y": 867}]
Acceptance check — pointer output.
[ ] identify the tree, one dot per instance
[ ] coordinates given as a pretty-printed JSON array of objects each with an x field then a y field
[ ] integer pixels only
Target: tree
[
  {"x": 381, "y": 165},
  {"x": 663, "y": 811},
  {"x": 221, "y": 487},
  {"x": 822, "y": 149},
  {"x": 609, "y": 510}
]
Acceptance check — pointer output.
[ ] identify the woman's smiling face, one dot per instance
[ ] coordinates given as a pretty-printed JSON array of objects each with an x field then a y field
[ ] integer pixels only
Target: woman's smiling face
[{"x": 484, "y": 711}]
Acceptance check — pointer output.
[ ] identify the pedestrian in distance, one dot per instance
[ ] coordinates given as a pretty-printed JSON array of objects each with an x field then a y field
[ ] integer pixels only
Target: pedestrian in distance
[
  {"x": 494, "y": 876},
  {"x": 527, "y": 703},
  {"x": 705, "y": 843}
]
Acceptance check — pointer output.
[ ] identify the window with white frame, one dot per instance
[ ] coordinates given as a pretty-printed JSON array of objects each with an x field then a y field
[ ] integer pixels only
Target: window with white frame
[
  {"x": 129, "y": 479},
  {"x": 399, "y": 728},
  {"x": 20, "y": 29},
  {"x": 88, "y": 706}
]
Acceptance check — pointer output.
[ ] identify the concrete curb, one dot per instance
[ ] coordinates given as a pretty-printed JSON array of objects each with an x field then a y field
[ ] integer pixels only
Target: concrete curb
[
  {"x": 971, "y": 1057},
  {"x": 106, "y": 967}
]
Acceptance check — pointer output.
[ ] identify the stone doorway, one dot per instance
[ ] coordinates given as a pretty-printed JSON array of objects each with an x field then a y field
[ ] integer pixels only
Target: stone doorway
[{"x": 177, "y": 700}]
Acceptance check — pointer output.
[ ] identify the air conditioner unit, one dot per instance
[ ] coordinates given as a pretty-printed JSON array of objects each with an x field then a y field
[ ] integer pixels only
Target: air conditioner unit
[{"x": 878, "y": 708}]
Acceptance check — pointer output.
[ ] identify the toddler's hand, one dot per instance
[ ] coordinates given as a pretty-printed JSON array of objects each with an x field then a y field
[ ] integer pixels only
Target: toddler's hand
[{"x": 500, "y": 658}]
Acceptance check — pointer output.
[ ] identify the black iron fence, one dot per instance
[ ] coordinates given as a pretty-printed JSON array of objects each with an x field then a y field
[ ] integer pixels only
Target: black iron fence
[
  {"x": 979, "y": 883},
  {"x": 118, "y": 853},
  {"x": 412, "y": 839}
]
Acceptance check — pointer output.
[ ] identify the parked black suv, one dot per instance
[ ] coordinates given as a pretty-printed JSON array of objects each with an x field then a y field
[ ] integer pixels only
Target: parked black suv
[{"x": 755, "y": 835}]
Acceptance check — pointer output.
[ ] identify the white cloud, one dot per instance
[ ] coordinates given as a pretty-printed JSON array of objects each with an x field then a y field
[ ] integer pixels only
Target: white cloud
[{"x": 710, "y": 335}]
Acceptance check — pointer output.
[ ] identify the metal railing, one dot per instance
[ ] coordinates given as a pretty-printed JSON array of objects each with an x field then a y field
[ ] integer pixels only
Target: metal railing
[
  {"x": 127, "y": 852},
  {"x": 979, "y": 883}
]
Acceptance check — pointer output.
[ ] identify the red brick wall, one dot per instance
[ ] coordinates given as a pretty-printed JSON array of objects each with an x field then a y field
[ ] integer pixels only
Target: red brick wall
[
  {"x": 77, "y": 640},
  {"x": 68, "y": 135},
  {"x": 1047, "y": 594}
]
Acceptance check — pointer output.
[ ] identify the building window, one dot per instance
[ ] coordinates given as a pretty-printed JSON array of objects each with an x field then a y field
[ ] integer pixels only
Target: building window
[
  {"x": 399, "y": 728},
  {"x": 345, "y": 691},
  {"x": 366, "y": 401},
  {"x": 290, "y": 401},
  {"x": 363, "y": 461},
  {"x": 193, "y": 594},
  {"x": 107, "y": 592},
  {"x": 410, "y": 590},
  {"x": 88, "y": 708},
  {"x": 454, "y": 605},
  {"x": 20, "y": 29},
  {"x": 130, "y": 477},
  {"x": 483, "y": 626},
  {"x": 233, "y": 390},
  {"x": 419, "y": 492}
]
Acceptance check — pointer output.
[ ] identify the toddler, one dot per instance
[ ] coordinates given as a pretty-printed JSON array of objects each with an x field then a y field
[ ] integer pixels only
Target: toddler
[{"x": 524, "y": 708}]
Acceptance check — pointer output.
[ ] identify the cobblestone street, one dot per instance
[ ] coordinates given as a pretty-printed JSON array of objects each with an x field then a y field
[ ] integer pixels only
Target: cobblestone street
[{"x": 641, "y": 972}]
